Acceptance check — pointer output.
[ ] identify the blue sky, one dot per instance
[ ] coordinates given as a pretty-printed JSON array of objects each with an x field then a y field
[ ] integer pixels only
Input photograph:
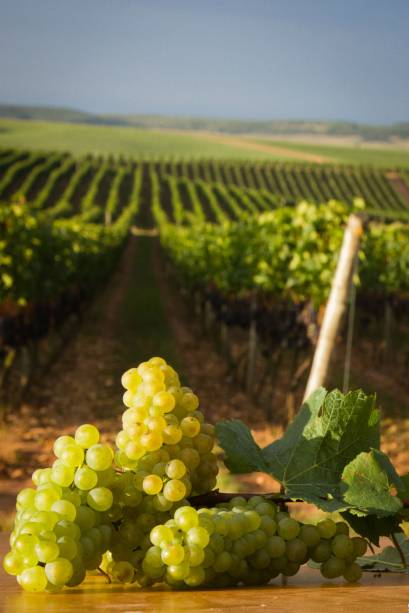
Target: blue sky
[{"x": 304, "y": 59}]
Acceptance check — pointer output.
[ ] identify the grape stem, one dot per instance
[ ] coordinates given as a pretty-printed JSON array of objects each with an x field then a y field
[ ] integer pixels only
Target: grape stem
[
  {"x": 108, "y": 578},
  {"x": 216, "y": 497},
  {"x": 398, "y": 547}
]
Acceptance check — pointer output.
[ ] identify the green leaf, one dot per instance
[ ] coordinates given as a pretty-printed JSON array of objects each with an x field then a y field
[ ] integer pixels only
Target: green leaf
[
  {"x": 403, "y": 490},
  {"x": 243, "y": 455},
  {"x": 366, "y": 484},
  {"x": 372, "y": 527},
  {"x": 388, "y": 558},
  {"x": 328, "y": 432}
]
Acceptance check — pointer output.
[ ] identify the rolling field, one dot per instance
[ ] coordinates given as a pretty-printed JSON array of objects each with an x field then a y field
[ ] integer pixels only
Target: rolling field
[
  {"x": 384, "y": 156},
  {"x": 80, "y": 139}
]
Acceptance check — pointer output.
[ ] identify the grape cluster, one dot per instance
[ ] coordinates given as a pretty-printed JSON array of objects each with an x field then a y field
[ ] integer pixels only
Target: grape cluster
[
  {"x": 61, "y": 528},
  {"x": 165, "y": 439},
  {"x": 127, "y": 512},
  {"x": 244, "y": 542}
]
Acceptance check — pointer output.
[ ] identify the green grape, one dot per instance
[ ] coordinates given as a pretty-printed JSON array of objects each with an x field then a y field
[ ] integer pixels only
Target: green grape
[
  {"x": 195, "y": 577},
  {"x": 290, "y": 569},
  {"x": 352, "y": 573},
  {"x": 65, "y": 508},
  {"x": 153, "y": 556},
  {"x": 268, "y": 525},
  {"x": 186, "y": 518},
  {"x": 189, "y": 402},
  {"x": 175, "y": 469},
  {"x": 276, "y": 546},
  {"x": 59, "y": 572},
  {"x": 327, "y": 528},
  {"x": 178, "y": 572},
  {"x": 25, "y": 543},
  {"x": 86, "y": 436},
  {"x": 296, "y": 551},
  {"x": 206, "y": 523},
  {"x": 342, "y": 528},
  {"x": 85, "y": 518},
  {"x": 260, "y": 559},
  {"x": 100, "y": 498},
  {"x": 62, "y": 475},
  {"x": 152, "y": 484},
  {"x": 171, "y": 434},
  {"x": 333, "y": 567},
  {"x": 197, "y": 536},
  {"x": 342, "y": 546},
  {"x": 79, "y": 573},
  {"x": 321, "y": 552},
  {"x": 253, "y": 520},
  {"x": 67, "y": 528},
  {"x": 99, "y": 457},
  {"x": 47, "y": 551},
  {"x": 310, "y": 535},
  {"x": 72, "y": 456},
  {"x": 288, "y": 528},
  {"x": 174, "y": 490},
  {"x": 67, "y": 548},
  {"x": 151, "y": 441},
  {"x": 123, "y": 572},
  {"x": 190, "y": 426},
  {"x": 220, "y": 524},
  {"x": 26, "y": 498},
  {"x": 131, "y": 379},
  {"x": 265, "y": 508},
  {"x": 61, "y": 443},
  {"x": 85, "y": 478},
  {"x": 13, "y": 563},
  {"x": 161, "y": 535},
  {"x": 360, "y": 546},
  {"x": 190, "y": 457},
  {"x": 172, "y": 554},
  {"x": 195, "y": 555},
  {"x": 203, "y": 443},
  {"x": 161, "y": 504},
  {"x": 33, "y": 579}
]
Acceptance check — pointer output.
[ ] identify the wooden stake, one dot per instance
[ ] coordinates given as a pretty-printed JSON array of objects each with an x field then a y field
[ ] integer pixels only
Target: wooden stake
[
  {"x": 350, "y": 331},
  {"x": 252, "y": 353},
  {"x": 336, "y": 304}
]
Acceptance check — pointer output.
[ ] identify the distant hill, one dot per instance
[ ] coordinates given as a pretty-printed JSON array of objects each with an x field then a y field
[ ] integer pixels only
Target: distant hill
[{"x": 229, "y": 126}]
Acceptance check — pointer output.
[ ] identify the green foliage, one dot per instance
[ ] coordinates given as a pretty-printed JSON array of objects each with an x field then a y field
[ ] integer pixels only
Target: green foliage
[
  {"x": 388, "y": 559},
  {"x": 329, "y": 456},
  {"x": 39, "y": 260}
]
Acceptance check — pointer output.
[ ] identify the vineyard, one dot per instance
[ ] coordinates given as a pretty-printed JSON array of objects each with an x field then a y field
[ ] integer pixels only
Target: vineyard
[
  {"x": 252, "y": 245},
  {"x": 250, "y": 249}
]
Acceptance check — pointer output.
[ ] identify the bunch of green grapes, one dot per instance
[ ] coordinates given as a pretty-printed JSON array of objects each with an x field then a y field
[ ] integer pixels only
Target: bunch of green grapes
[
  {"x": 243, "y": 542},
  {"x": 337, "y": 552},
  {"x": 62, "y": 526},
  {"x": 128, "y": 513},
  {"x": 165, "y": 440}
]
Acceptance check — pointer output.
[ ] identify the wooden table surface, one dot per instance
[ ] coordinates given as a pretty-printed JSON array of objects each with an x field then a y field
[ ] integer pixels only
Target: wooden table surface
[{"x": 306, "y": 592}]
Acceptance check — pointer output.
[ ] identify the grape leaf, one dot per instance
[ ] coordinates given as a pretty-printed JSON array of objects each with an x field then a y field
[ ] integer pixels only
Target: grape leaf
[
  {"x": 366, "y": 484},
  {"x": 403, "y": 489},
  {"x": 388, "y": 558},
  {"x": 372, "y": 527},
  {"x": 243, "y": 453},
  {"x": 330, "y": 430}
]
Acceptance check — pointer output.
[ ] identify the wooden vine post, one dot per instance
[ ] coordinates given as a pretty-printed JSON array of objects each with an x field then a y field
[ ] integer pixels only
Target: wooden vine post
[{"x": 336, "y": 305}]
